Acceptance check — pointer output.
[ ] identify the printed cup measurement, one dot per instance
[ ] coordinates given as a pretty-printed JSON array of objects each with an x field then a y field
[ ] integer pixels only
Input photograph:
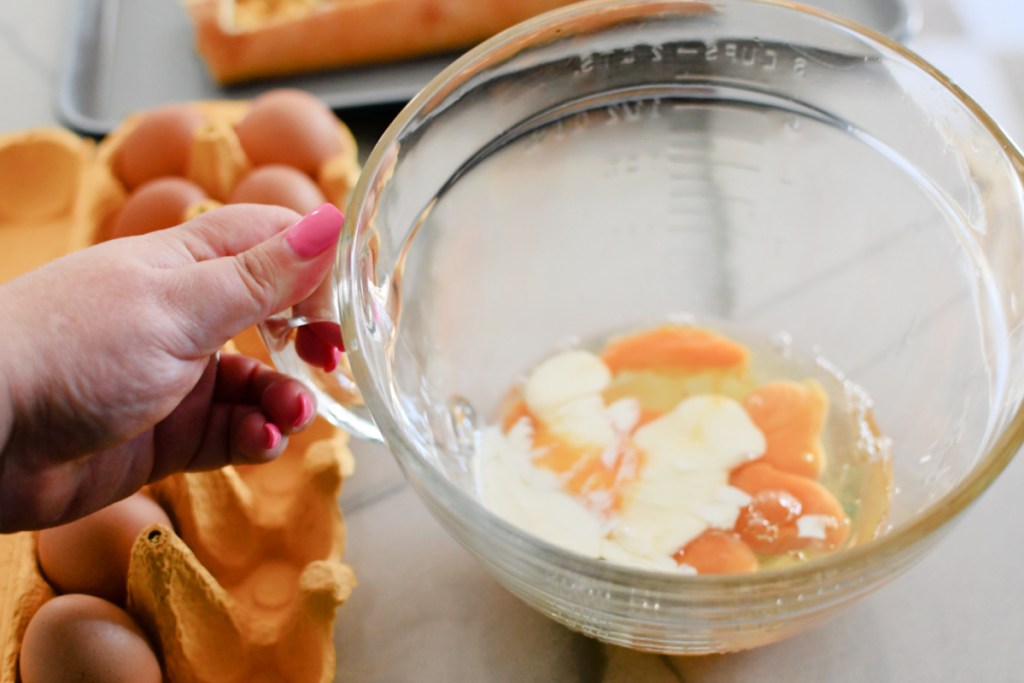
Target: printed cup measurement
[{"x": 693, "y": 59}]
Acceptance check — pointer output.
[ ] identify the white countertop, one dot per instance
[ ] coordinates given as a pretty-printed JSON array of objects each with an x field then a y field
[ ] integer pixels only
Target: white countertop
[{"x": 426, "y": 611}]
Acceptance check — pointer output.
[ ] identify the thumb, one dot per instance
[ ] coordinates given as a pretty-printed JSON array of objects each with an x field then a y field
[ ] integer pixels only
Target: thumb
[{"x": 232, "y": 293}]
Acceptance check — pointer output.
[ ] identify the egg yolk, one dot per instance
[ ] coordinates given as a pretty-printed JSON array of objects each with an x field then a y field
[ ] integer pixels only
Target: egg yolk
[{"x": 756, "y": 505}]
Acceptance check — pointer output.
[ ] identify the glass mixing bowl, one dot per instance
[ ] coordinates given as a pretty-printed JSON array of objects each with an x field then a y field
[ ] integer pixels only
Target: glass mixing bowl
[{"x": 621, "y": 163}]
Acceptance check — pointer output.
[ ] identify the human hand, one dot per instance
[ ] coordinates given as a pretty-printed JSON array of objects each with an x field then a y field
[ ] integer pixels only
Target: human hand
[{"x": 110, "y": 376}]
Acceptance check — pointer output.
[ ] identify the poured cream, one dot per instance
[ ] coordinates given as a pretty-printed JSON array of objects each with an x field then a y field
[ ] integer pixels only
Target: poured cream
[
  {"x": 565, "y": 392},
  {"x": 680, "y": 491},
  {"x": 683, "y": 487}
]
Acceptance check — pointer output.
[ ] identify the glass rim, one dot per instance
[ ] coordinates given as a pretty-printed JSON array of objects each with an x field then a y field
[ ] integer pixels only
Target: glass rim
[{"x": 992, "y": 462}]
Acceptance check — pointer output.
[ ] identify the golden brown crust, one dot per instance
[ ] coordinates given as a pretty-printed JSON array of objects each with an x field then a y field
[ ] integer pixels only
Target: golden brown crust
[{"x": 349, "y": 32}]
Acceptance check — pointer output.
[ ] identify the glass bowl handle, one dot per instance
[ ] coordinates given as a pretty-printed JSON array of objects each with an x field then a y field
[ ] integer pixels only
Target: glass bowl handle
[{"x": 313, "y": 325}]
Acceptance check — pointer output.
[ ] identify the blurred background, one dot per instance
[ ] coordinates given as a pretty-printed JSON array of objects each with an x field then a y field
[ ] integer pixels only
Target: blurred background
[
  {"x": 87, "y": 62},
  {"x": 959, "y": 616}
]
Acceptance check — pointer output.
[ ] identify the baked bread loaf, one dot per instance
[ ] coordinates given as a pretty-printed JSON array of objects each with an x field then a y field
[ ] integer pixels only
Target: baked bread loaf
[{"x": 247, "y": 39}]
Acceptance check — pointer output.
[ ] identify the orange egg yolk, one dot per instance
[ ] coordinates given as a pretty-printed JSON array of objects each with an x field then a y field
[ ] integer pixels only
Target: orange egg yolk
[{"x": 788, "y": 510}]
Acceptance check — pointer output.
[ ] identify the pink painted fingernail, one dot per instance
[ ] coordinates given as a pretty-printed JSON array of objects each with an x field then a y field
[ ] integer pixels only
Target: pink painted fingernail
[
  {"x": 335, "y": 359},
  {"x": 271, "y": 436},
  {"x": 329, "y": 333},
  {"x": 313, "y": 350},
  {"x": 305, "y": 411},
  {"x": 315, "y": 232}
]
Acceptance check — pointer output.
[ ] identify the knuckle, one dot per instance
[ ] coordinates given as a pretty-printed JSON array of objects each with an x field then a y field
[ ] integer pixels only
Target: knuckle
[{"x": 256, "y": 273}]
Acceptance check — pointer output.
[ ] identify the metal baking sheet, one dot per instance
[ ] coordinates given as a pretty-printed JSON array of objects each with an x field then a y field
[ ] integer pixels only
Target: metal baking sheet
[{"x": 127, "y": 55}]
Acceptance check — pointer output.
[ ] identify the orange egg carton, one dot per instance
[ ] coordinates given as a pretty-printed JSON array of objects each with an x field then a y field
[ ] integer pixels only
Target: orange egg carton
[
  {"x": 59, "y": 192},
  {"x": 48, "y": 192},
  {"x": 247, "y": 587},
  {"x": 245, "y": 39},
  {"x": 246, "y": 584}
]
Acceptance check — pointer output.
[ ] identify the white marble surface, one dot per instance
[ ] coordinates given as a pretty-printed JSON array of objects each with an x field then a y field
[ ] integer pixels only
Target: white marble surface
[{"x": 426, "y": 611}]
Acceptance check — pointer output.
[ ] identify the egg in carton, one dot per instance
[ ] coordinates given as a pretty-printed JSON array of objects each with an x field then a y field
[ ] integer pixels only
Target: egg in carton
[
  {"x": 247, "y": 583},
  {"x": 284, "y": 147}
]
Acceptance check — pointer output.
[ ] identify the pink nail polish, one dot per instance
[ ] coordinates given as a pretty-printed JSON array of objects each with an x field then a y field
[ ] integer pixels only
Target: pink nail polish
[
  {"x": 315, "y": 232},
  {"x": 271, "y": 436},
  {"x": 332, "y": 362},
  {"x": 329, "y": 333},
  {"x": 305, "y": 411},
  {"x": 313, "y": 350}
]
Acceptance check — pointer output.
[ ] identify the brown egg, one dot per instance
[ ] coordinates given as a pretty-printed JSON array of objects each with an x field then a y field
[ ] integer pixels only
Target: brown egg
[
  {"x": 160, "y": 145},
  {"x": 289, "y": 127},
  {"x": 90, "y": 555},
  {"x": 82, "y": 638},
  {"x": 156, "y": 205},
  {"x": 280, "y": 185}
]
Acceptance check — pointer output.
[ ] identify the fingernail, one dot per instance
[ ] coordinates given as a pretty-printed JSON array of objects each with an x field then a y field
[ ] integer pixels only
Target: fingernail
[
  {"x": 315, "y": 232},
  {"x": 315, "y": 351},
  {"x": 329, "y": 333},
  {"x": 305, "y": 411},
  {"x": 332, "y": 363},
  {"x": 271, "y": 436}
]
